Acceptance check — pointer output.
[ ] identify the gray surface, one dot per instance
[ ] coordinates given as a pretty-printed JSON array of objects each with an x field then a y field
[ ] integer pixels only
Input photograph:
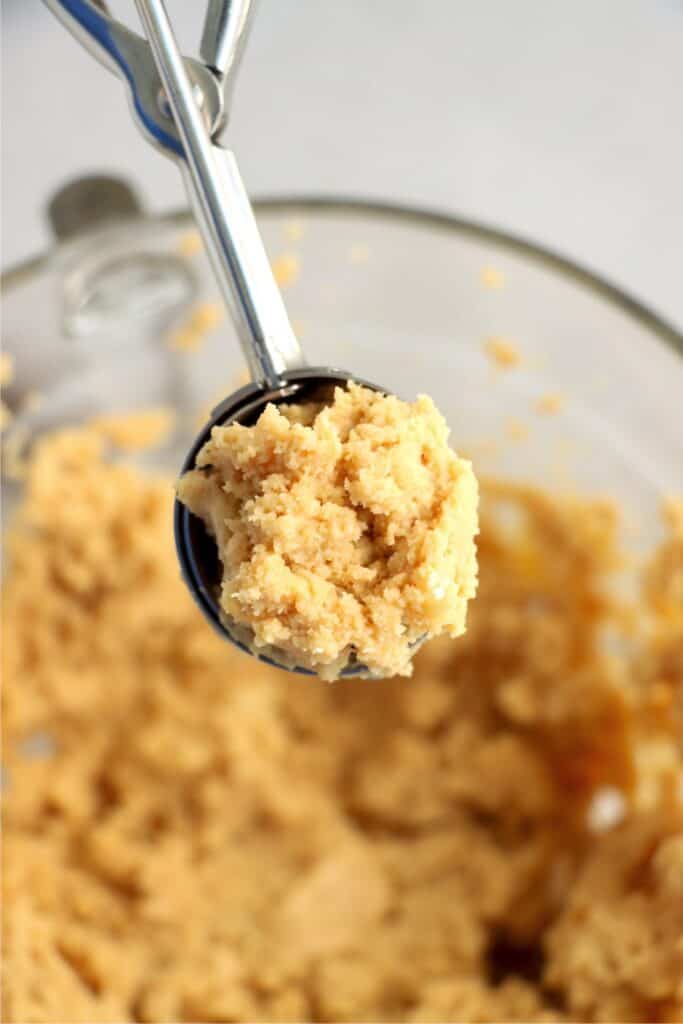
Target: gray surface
[{"x": 559, "y": 121}]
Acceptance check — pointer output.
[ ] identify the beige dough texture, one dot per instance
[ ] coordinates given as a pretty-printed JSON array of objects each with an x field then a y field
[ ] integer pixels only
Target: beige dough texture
[
  {"x": 191, "y": 835},
  {"x": 346, "y": 528}
]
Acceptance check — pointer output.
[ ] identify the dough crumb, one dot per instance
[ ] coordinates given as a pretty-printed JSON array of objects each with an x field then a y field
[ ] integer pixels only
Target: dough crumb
[
  {"x": 286, "y": 269},
  {"x": 344, "y": 529},
  {"x": 516, "y": 430},
  {"x": 293, "y": 230},
  {"x": 504, "y": 354},
  {"x": 6, "y": 377},
  {"x": 492, "y": 278},
  {"x": 6, "y": 369},
  {"x": 550, "y": 404},
  {"x": 190, "y": 244},
  {"x": 204, "y": 318}
]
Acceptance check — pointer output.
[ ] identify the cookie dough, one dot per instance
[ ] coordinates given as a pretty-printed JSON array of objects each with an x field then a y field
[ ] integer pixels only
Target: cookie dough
[
  {"x": 189, "y": 837},
  {"x": 343, "y": 529}
]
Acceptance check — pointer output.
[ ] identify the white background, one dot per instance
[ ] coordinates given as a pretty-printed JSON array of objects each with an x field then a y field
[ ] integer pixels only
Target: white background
[{"x": 560, "y": 121}]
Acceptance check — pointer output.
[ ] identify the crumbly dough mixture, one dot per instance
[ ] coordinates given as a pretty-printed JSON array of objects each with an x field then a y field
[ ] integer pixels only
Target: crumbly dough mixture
[
  {"x": 348, "y": 527},
  {"x": 192, "y": 836}
]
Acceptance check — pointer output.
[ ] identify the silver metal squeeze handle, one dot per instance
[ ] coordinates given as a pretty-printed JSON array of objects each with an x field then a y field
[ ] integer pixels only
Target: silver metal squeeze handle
[
  {"x": 225, "y": 217},
  {"x": 226, "y": 28}
]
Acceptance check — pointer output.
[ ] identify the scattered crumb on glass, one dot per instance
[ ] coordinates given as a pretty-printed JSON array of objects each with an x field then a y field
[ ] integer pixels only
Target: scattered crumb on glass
[
  {"x": 516, "y": 430},
  {"x": 359, "y": 254},
  {"x": 6, "y": 377},
  {"x": 6, "y": 369},
  {"x": 28, "y": 403},
  {"x": 492, "y": 278},
  {"x": 190, "y": 244},
  {"x": 6, "y": 373},
  {"x": 204, "y": 318},
  {"x": 550, "y": 404},
  {"x": 502, "y": 352},
  {"x": 135, "y": 431},
  {"x": 293, "y": 230},
  {"x": 286, "y": 269}
]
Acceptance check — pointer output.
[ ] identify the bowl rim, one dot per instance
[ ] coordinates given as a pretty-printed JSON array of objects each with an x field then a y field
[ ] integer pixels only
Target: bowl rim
[{"x": 546, "y": 256}]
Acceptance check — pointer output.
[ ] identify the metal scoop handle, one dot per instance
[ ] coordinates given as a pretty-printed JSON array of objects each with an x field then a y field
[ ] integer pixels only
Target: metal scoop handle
[
  {"x": 226, "y": 29},
  {"x": 183, "y": 119}
]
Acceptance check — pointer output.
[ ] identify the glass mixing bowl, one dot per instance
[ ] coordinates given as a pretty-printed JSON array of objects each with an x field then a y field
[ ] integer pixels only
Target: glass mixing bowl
[
  {"x": 417, "y": 302},
  {"x": 404, "y": 297}
]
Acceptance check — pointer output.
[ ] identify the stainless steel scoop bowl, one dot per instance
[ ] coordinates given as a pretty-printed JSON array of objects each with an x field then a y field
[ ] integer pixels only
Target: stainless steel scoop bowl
[
  {"x": 181, "y": 106},
  {"x": 197, "y": 553}
]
